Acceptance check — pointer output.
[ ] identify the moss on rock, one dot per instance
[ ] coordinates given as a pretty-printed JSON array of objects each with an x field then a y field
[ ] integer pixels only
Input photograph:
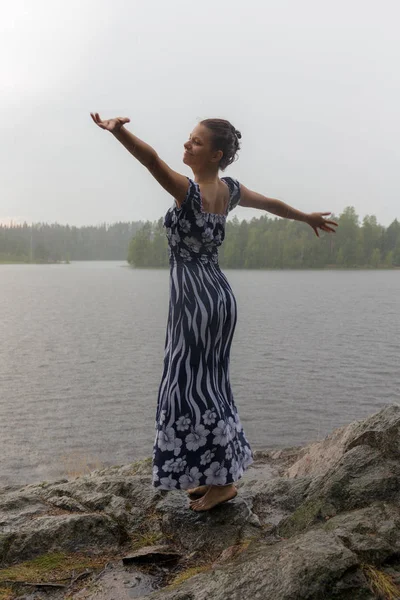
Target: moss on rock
[
  {"x": 304, "y": 516},
  {"x": 188, "y": 574}
]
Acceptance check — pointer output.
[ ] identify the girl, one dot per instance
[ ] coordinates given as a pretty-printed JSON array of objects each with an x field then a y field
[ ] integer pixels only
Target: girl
[{"x": 200, "y": 445}]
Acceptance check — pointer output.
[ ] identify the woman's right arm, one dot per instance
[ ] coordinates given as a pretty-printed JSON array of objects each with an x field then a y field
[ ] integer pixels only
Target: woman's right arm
[
  {"x": 144, "y": 153},
  {"x": 174, "y": 183}
]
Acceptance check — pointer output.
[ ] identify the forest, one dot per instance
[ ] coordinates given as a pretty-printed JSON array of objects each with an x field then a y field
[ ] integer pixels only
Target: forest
[
  {"x": 274, "y": 243},
  {"x": 44, "y": 243},
  {"x": 261, "y": 243}
]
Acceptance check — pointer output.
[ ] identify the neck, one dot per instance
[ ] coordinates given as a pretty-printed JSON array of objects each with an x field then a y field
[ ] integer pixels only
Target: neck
[{"x": 205, "y": 175}]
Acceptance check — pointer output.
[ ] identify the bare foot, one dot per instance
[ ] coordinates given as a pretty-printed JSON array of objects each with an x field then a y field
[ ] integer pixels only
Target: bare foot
[
  {"x": 217, "y": 494},
  {"x": 198, "y": 491}
]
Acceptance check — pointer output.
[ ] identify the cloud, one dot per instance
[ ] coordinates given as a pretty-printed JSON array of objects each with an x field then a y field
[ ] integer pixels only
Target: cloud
[{"x": 313, "y": 88}]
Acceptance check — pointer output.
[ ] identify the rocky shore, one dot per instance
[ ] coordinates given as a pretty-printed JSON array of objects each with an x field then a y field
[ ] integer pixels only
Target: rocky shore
[{"x": 317, "y": 522}]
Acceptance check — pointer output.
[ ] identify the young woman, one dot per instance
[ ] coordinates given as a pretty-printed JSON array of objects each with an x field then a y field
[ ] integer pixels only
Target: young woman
[{"x": 200, "y": 445}]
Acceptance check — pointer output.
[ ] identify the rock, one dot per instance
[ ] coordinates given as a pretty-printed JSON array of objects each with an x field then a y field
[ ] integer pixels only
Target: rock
[
  {"x": 308, "y": 522},
  {"x": 152, "y": 554},
  {"x": 324, "y": 562},
  {"x": 306, "y": 566},
  {"x": 371, "y": 532},
  {"x": 66, "y": 503},
  {"x": 209, "y": 531},
  {"x": 380, "y": 431},
  {"x": 272, "y": 499},
  {"x": 360, "y": 476},
  {"x": 16, "y": 509},
  {"x": 120, "y": 583},
  {"x": 70, "y": 533},
  {"x": 229, "y": 553}
]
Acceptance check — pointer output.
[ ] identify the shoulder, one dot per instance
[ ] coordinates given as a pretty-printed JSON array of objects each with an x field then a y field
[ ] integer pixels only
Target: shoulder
[
  {"x": 243, "y": 196},
  {"x": 234, "y": 189},
  {"x": 231, "y": 181},
  {"x": 191, "y": 197}
]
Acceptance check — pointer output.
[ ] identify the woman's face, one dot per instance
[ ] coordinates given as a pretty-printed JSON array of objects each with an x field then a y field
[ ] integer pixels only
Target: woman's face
[{"x": 198, "y": 151}]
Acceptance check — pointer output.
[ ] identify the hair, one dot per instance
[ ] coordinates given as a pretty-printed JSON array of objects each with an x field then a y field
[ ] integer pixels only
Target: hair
[{"x": 224, "y": 137}]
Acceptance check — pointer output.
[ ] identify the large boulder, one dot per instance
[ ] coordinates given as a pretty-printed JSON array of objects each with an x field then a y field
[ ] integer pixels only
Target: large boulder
[{"x": 360, "y": 465}]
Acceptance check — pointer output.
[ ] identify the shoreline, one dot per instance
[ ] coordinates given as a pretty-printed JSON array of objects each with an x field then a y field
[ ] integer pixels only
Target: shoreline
[
  {"x": 327, "y": 268},
  {"x": 26, "y": 262}
]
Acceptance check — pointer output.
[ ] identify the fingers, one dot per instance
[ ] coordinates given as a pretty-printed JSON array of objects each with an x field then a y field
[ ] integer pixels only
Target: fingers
[
  {"x": 97, "y": 120},
  {"x": 327, "y": 223},
  {"x": 326, "y": 227},
  {"x": 109, "y": 123},
  {"x": 317, "y": 221},
  {"x": 320, "y": 214}
]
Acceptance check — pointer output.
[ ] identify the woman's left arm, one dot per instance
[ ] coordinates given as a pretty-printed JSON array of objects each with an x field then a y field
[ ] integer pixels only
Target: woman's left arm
[{"x": 281, "y": 209}]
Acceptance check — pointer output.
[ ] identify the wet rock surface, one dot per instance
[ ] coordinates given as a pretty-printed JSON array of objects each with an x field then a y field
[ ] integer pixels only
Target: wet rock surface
[{"x": 313, "y": 522}]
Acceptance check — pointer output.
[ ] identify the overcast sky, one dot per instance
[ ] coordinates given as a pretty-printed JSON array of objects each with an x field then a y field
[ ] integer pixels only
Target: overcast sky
[{"x": 314, "y": 87}]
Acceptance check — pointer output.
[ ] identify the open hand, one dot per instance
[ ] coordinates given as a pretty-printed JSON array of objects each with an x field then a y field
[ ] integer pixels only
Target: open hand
[
  {"x": 109, "y": 124},
  {"x": 316, "y": 220}
]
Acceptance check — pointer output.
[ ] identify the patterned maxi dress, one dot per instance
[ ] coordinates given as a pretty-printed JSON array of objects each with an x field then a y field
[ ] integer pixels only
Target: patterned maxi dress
[{"x": 199, "y": 439}]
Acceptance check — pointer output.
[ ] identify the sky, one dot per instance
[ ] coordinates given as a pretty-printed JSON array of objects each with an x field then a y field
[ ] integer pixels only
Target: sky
[{"x": 313, "y": 86}]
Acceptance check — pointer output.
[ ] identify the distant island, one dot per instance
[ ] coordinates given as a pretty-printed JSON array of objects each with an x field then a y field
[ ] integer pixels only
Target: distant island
[{"x": 263, "y": 243}]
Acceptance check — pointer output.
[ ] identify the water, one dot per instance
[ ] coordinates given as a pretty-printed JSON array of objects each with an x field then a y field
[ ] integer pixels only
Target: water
[{"x": 81, "y": 353}]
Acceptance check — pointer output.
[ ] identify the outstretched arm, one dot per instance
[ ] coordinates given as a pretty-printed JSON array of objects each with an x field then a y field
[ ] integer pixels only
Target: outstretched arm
[
  {"x": 175, "y": 183},
  {"x": 281, "y": 209}
]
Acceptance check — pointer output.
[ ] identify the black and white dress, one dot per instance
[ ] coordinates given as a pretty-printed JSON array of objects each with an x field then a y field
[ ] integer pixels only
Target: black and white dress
[{"x": 199, "y": 439}]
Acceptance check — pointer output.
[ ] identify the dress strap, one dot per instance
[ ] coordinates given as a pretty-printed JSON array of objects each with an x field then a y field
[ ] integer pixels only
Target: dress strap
[
  {"x": 234, "y": 188},
  {"x": 190, "y": 197}
]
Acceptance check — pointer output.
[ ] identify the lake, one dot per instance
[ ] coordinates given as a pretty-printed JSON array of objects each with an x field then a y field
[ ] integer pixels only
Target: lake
[{"x": 81, "y": 356}]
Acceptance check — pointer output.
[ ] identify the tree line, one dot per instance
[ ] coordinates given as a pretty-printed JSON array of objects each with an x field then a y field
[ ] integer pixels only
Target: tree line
[
  {"x": 262, "y": 243},
  {"x": 41, "y": 242},
  {"x": 274, "y": 243}
]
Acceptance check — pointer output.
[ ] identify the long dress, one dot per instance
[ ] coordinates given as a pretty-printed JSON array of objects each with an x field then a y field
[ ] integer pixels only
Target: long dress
[{"x": 199, "y": 439}]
